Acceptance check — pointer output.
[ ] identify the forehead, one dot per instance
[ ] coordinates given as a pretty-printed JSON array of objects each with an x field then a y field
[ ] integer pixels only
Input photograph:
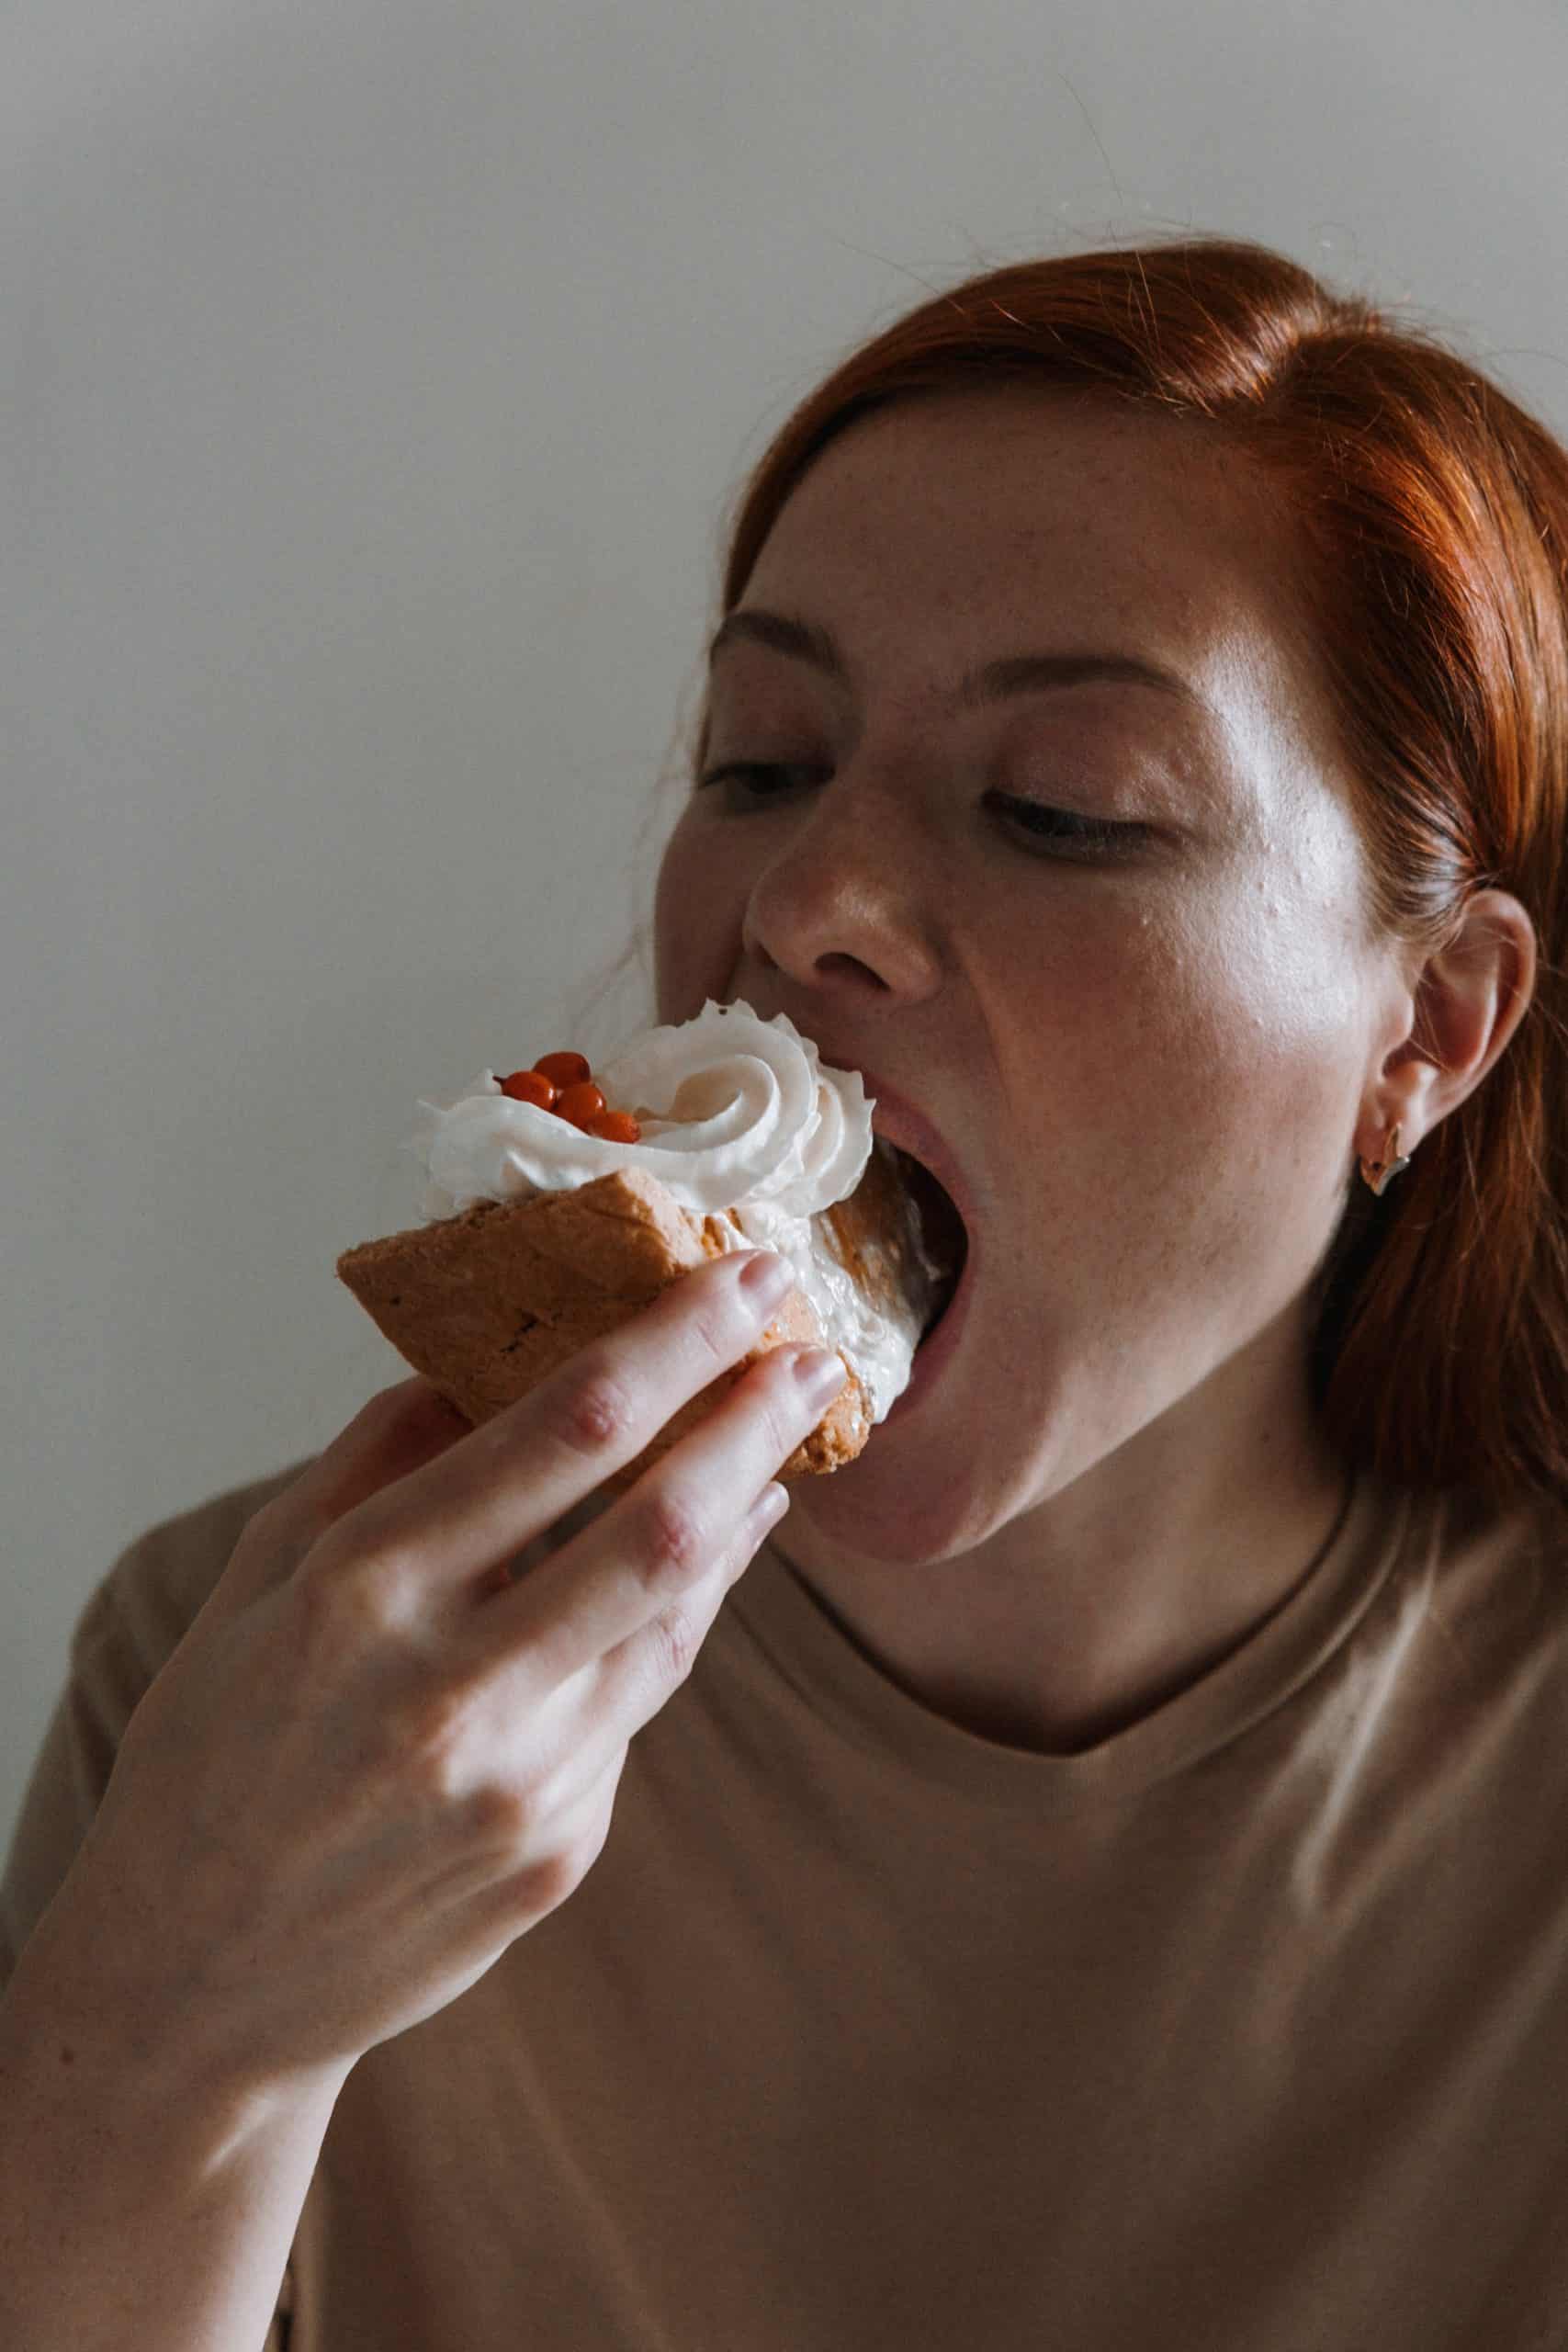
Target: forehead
[{"x": 939, "y": 528}]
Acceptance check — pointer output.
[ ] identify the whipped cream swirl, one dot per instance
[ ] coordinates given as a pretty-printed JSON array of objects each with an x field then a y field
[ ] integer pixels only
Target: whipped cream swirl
[
  {"x": 741, "y": 1122},
  {"x": 736, "y": 1113}
]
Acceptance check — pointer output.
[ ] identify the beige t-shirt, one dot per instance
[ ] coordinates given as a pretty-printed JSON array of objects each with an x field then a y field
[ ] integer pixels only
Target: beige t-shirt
[{"x": 1245, "y": 2031}]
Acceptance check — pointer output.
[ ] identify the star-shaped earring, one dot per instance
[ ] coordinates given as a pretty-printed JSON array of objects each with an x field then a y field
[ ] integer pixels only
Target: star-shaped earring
[{"x": 1377, "y": 1172}]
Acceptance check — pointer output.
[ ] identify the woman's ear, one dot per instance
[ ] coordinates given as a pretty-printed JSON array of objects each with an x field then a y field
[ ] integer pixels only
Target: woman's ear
[{"x": 1470, "y": 999}]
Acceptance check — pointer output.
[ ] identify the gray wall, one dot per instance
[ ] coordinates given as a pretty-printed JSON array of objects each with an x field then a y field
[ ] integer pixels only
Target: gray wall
[{"x": 377, "y": 375}]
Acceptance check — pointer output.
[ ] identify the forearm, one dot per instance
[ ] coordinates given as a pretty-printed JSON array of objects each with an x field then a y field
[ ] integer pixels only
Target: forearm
[{"x": 144, "y": 2199}]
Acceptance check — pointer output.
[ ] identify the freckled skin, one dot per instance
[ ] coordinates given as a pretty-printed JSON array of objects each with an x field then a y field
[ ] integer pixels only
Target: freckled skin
[{"x": 1156, "y": 1071}]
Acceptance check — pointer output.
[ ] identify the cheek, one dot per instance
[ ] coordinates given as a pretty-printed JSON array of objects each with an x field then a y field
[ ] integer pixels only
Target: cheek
[
  {"x": 697, "y": 916},
  {"x": 1197, "y": 1073}
]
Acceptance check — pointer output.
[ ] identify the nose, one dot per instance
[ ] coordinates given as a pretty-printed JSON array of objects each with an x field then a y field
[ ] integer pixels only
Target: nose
[{"x": 849, "y": 896}]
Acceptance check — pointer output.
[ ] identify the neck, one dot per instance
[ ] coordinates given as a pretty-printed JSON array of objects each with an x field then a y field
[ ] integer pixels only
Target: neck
[{"x": 1087, "y": 1610}]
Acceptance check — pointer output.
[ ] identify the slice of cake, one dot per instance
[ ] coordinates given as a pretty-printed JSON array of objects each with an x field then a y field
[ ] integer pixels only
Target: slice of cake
[{"x": 549, "y": 1221}]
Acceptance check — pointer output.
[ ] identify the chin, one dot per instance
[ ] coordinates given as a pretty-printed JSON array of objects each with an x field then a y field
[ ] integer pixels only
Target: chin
[{"x": 900, "y": 1502}]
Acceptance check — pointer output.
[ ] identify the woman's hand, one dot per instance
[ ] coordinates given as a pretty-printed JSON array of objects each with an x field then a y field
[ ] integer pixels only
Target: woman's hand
[{"x": 374, "y": 1760}]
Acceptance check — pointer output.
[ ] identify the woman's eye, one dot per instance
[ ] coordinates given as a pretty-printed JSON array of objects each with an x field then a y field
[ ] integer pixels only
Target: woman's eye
[
  {"x": 1061, "y": 830},
  {"x": 757, "y": 775},
  {"x": 1066, "y": 830}
]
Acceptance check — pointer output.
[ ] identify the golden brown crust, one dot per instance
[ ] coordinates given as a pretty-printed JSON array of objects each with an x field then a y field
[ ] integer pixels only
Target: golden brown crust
[{"x": 487, "y": 1304}]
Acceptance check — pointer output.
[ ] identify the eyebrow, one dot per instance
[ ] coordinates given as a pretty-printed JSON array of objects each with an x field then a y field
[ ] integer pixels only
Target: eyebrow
[{"x": 1017, "y": 674}]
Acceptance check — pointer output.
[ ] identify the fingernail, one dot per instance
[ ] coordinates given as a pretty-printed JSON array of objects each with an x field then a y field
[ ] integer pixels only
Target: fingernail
[
  {"x": 766, "y": 1512},
  {"x": 821, "y": 1374},
  {"x": 764, "y": 1279}
]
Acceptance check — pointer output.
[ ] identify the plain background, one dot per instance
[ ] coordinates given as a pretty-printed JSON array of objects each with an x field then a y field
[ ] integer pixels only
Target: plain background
[{"x": 378, "y": 379}]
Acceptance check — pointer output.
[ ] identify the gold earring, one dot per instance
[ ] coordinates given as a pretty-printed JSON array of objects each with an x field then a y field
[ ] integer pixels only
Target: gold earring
[{"x": 1377, "y": 1172}]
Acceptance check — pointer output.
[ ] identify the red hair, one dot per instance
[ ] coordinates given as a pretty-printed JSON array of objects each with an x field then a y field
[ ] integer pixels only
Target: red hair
[{"x": 1433, "y": 520}]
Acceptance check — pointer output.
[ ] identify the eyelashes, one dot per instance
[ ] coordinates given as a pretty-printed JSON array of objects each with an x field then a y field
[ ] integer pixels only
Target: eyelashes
[
  {"x": 751, "y": 769},
  {"x": 1066, "y": 830}
]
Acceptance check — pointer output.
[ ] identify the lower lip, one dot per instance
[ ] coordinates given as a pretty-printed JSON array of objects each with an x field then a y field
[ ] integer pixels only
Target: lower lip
[{"x": 930, "y": 1359}]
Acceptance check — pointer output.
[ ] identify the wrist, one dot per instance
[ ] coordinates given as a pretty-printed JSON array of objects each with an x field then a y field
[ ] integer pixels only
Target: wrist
[{"x": 88, "y": 2018}]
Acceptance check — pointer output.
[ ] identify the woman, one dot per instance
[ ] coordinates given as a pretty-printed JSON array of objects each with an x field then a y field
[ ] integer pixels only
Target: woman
[{"x": 1101, "y": 1882}]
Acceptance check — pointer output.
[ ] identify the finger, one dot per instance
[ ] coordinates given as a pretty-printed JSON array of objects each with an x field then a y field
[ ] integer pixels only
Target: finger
[
  {"x": 481, "y": 1501},
  {"x": 644, "y": 1555},
  {"x": 396, "y": 1432},
  {"x": 578, "y": 1733},
  {"x": 399, "y": 1431},
  {"x": 511, "y": 1904},
  {"x": 634, "y": 1681}
]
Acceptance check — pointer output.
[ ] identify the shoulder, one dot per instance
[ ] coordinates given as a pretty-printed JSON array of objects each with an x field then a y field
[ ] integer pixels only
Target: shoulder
[
  {"x": 1492, "y": 1577},
  {"x": 1507, "y": 1558}
]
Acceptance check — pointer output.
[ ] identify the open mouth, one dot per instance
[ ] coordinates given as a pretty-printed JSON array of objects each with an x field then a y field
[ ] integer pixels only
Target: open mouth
[{"x": 943, "y": 1236}]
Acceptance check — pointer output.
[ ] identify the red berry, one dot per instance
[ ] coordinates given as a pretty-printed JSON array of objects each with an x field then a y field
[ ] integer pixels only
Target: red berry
[
  {"x": 564, "y": 1070},
  {"x": 579, "y": 1103},
  {"x": 615, "y": 1126}
]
